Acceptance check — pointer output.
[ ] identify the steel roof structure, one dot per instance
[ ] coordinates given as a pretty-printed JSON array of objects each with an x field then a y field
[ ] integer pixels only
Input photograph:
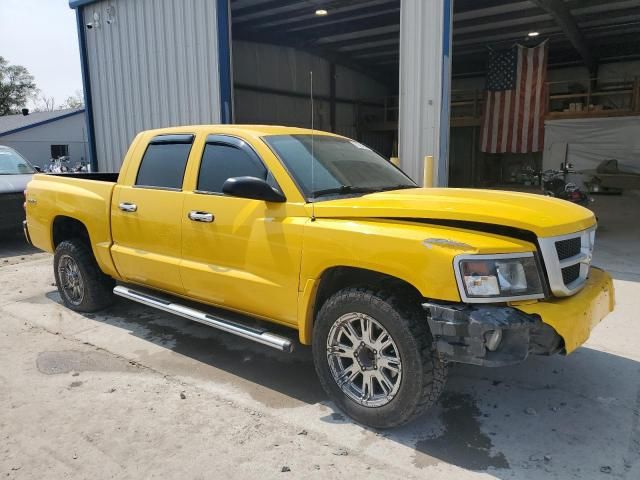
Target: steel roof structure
[{"x": 365, "y": 33}]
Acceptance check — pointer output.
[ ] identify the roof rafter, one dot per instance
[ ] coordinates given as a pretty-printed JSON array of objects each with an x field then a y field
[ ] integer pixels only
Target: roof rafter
[{"x": 561, "y": 13}]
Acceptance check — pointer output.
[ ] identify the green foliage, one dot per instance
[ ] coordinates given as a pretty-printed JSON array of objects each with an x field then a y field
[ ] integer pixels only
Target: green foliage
[{"x": 16, "y": 87}]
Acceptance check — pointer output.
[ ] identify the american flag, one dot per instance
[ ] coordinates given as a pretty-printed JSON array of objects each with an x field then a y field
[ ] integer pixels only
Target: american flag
[{"x": 515, "y": 100}]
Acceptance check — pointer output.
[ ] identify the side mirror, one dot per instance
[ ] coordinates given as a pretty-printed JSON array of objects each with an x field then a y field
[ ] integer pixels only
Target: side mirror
[
  {"x": 252, "y": 187},
  {"x": 37, "y": 169}
]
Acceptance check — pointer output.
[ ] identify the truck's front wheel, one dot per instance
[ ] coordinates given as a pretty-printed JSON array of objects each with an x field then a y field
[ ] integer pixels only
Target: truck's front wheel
[
  {"x": 82, "y": 286},
  {"x": 375, "y": 358}
]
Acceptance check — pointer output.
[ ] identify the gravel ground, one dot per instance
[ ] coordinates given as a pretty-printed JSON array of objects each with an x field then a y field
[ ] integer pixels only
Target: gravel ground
[{"x": 133, "y": 393}]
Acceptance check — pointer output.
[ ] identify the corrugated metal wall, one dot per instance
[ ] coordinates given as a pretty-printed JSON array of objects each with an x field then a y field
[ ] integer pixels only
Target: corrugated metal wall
[
  {"x": 287, "y": 69},
  {"x": 152, "y": 63},
  {"x": 423, "y": 25}
]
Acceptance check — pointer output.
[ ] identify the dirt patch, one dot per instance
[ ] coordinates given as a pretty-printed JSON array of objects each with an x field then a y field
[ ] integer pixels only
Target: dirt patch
[
  {"x": 463, "y": 443},
  {"x": 275, "y": 379},
  {"x": 66, "y": 361}
]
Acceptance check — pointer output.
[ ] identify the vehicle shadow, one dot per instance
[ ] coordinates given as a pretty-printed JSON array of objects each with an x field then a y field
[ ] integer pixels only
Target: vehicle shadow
[
  {"x": 550, "y": 416},
  {"x": 14, "y": 244}
]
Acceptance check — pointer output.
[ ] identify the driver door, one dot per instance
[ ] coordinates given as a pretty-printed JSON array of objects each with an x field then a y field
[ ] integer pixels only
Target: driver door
[{"x": 239, "y": 253}]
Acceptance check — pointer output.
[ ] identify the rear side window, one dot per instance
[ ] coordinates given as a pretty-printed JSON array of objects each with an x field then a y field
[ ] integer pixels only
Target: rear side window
[
  {"x": 221, "y": 162},
  {"x": 164, "y": 162}
]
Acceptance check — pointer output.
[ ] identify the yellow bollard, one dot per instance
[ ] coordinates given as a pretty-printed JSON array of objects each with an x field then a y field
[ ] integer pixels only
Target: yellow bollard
[
  {"x": 395, "y": 161},
  {"x": 428, "y": 171}
]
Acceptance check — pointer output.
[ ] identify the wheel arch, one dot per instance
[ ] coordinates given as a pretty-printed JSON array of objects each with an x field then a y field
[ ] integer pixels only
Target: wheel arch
[
  {"x": 336, "y": 278},
  {"x": 65, "y": 227}
]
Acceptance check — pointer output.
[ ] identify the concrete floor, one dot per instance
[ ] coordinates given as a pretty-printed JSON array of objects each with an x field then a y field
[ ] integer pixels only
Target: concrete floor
[{"x": 101, "y": 396}]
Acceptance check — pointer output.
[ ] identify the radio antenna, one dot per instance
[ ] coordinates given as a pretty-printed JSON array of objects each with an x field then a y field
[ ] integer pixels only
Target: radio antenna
[{"x": 313, "y": 159}]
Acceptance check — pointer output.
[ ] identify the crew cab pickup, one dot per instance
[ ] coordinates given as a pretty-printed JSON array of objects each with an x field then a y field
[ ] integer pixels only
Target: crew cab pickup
[{"x": 388, "y": 282}]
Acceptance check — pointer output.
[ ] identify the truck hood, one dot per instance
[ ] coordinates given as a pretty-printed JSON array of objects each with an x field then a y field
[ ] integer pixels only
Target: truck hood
[
  {"x": 544, "y": 216},
  {"x": 14, "y": 183}
]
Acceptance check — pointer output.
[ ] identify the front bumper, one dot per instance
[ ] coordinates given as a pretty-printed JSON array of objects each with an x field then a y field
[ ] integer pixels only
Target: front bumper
[{"x": 463, "y": 332}]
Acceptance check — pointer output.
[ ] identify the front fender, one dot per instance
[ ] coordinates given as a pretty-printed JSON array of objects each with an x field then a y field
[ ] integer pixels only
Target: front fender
[{"x": 421, "y": 255}]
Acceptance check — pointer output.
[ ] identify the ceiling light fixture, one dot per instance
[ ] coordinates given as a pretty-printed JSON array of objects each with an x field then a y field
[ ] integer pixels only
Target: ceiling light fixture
[
  {"x": 321, "y": 12},
  {"x": 533, "y": 34}
]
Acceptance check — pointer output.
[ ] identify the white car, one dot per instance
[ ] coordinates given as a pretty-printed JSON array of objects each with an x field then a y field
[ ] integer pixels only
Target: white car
[{"x": 15, "y": 173}]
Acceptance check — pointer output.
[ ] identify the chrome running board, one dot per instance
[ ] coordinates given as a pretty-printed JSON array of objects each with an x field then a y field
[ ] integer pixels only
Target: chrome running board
[{"x": 259, "y": 335}]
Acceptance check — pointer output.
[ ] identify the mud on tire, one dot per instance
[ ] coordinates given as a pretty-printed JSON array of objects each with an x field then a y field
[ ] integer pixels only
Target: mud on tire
[
  {"x": 421, "y": 373},
  {"x": 81, "y": 284}
]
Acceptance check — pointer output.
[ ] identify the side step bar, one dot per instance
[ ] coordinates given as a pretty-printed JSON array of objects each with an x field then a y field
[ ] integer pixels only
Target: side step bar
[{"x": 259, "y": 335}]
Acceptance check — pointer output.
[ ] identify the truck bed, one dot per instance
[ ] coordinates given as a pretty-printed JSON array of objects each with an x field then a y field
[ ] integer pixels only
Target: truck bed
[{"x": 81, "y": 197}]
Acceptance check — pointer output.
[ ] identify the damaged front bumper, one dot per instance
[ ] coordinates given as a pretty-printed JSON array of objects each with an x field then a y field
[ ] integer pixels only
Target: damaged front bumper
[
  {"x": 487, "y": 335},
  {"x": 498, "y": 335}
]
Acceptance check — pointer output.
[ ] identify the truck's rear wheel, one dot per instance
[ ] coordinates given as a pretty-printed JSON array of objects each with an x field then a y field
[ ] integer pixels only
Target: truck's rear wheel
[
  {"x": 81, "y": 284},
  {"x": 375, "y": 357}
]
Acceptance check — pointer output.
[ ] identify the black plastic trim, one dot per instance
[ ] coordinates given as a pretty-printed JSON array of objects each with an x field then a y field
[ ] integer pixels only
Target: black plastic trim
[
  {"x": 153, "y": 187},
  {"x": 185, "y": 139},
  {"x": 459, "y": 332}
]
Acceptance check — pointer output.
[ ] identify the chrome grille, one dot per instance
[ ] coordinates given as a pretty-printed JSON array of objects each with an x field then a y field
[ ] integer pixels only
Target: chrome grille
[{"x": 567, "y": 259}]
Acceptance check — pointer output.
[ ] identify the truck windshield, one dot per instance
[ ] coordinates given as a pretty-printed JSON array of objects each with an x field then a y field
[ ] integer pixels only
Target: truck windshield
[
  {"x": 12, "y": 163},
  {"x": 341, "y": 167}
]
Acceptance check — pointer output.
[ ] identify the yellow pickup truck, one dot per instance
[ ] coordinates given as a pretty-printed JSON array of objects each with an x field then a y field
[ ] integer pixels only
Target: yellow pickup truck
[{"x": 387, "y": 281}]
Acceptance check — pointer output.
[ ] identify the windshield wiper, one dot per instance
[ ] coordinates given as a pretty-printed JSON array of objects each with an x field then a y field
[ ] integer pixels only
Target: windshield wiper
[{"x": 343, "y": 189}]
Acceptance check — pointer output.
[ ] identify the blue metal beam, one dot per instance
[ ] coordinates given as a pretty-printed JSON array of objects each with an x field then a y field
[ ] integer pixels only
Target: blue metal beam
[
  {"x": 80, "y": 3},
  {"x": 86, "y": 84},
  {"x": 224, "y": 61}
]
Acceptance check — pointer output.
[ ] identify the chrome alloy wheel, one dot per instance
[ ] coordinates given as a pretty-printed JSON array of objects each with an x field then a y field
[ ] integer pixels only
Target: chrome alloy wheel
[
  {"x": 364, "y": 360},
  {"x": 71, "y": 281}
]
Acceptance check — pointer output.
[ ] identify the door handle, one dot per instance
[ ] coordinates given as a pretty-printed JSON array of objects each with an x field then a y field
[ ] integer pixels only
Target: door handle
[
  {"x": 128, "y": 207},
  {"x": 201, "y": 216}
]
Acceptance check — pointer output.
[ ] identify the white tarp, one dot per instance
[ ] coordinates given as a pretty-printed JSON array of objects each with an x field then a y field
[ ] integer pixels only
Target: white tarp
[{"x": 589, "y": 141}]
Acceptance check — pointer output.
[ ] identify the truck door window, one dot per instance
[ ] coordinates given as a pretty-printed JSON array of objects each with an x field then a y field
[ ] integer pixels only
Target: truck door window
[
  {"x": 164, "y": 162},
  {"x": 221, "y": 162}
]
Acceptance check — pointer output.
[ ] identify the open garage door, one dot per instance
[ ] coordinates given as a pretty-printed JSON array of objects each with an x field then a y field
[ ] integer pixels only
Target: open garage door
[
  {"x": 591, "y": 73},
  {"x": 352, "y": 48}
]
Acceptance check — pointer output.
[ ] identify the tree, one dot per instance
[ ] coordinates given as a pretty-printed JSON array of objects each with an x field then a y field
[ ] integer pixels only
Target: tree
[
  {"x": 42, "y": 103},
  {"x": 16, "y": 87},
  {"x": 74, "y": 101}
]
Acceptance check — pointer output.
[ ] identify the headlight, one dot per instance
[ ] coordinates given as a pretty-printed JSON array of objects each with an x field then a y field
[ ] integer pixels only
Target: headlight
[{"x": 498, "y": 278}]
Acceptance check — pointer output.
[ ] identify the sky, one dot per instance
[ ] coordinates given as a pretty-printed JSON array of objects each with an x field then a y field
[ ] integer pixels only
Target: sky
[{"x": 41, "y": 35}]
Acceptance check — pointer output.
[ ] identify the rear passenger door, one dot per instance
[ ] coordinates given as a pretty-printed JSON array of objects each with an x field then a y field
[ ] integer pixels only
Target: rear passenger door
[{"x": 146, "y": 215}]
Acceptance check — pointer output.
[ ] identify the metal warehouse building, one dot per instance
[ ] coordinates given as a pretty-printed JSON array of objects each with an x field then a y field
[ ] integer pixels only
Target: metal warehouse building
[
  {"x": 152, "y": 63},
  {"x": 40, "y": 136},
  {"x": 406, "y": 77}
]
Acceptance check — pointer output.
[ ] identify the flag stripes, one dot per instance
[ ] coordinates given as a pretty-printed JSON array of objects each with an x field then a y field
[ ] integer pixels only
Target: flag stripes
[{"x": 515, "y": 104}]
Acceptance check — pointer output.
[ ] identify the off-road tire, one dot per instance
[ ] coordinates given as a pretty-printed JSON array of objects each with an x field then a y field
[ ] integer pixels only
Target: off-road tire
[
  {"x": 97, "y": 287},
  {"x": 423, "y": 372}
]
